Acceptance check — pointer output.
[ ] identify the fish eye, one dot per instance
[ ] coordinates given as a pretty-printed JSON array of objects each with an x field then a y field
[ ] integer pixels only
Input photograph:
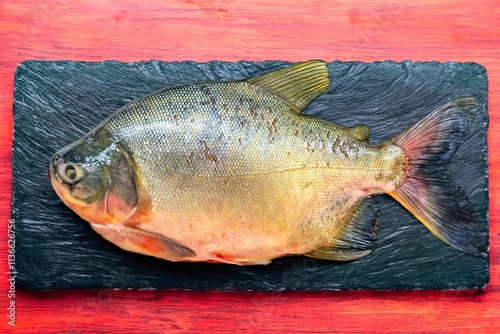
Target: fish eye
[{"x": 70, "y": 172}]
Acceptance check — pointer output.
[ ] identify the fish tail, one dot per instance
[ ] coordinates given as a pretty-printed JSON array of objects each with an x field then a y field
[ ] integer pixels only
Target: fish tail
[{"x": 426, "y": 190}]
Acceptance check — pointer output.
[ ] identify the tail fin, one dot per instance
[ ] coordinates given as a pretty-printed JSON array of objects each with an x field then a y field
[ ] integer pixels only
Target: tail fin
[{"x": 426, "y": 191}]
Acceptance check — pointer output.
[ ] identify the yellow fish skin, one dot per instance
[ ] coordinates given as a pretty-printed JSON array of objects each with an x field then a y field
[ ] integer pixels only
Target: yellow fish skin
[{"x": 232, "y": 172}]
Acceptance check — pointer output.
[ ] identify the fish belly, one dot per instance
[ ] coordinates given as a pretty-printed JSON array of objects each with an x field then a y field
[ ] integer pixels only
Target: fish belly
[{"x": 255, "y": 217}]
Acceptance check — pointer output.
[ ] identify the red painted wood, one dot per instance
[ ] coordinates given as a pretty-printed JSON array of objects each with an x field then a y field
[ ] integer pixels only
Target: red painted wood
[{"x": 252, "y": 30}]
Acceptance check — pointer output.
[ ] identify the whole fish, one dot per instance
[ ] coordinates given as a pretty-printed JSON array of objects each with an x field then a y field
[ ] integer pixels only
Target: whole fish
[{"x": 232, "y": 172}]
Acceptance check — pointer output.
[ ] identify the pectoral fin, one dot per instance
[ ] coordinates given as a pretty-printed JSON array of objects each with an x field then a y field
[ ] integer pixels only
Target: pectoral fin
[
  {"x": 356, "y": 234},
  {"x": 298, "y": 84},
  {"x": 156, "y": 245}
]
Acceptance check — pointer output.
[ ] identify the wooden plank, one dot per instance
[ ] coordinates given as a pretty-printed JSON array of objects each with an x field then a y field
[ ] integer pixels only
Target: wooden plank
[{"x": 253, "y": 30}]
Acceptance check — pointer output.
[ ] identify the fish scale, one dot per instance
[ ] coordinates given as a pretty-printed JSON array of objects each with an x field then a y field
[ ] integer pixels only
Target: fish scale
[{"x": 201, "y": 139}]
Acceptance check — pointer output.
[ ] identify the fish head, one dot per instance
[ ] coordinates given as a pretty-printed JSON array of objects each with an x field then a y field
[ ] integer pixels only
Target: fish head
[{"x": 93, "y": 176}]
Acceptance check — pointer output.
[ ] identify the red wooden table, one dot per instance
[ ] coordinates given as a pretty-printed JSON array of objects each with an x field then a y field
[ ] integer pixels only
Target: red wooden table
[{"x": 252, "y": 30}]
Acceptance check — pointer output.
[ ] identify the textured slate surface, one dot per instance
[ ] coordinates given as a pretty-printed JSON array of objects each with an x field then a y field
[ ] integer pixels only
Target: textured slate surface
[{"x": 55, "y": 103}]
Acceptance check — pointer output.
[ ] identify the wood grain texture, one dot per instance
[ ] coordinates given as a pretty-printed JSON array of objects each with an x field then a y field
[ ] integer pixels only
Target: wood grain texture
[{"x": 252, "y": 30}]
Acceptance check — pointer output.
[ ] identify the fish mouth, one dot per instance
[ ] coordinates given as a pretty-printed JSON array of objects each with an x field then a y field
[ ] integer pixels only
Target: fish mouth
[
  {"x": 53, "y": 170},
  {"x": 56, "y": 167},
  {"x": 55, "y": 179},
  {"x": 53, "y": 165}
]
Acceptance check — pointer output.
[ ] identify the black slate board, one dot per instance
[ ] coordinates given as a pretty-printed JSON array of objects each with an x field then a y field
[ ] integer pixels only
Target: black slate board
[{"x": 57, "y": 102}]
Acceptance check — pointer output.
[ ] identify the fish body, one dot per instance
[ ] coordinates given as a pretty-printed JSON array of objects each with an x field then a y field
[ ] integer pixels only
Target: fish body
[{"x": 232, "y": 172}]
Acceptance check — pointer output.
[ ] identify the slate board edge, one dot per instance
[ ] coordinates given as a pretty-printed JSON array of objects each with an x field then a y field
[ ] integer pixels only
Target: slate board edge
[{"x": 138, "y": 63}]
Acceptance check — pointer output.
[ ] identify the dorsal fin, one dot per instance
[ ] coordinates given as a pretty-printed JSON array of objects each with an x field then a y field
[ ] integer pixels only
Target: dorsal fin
[{"x": 298, "y": 84}]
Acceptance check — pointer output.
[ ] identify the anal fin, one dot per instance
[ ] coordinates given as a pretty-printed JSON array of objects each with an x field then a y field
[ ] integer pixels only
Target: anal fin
[{"x": 356, "y": 234}]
